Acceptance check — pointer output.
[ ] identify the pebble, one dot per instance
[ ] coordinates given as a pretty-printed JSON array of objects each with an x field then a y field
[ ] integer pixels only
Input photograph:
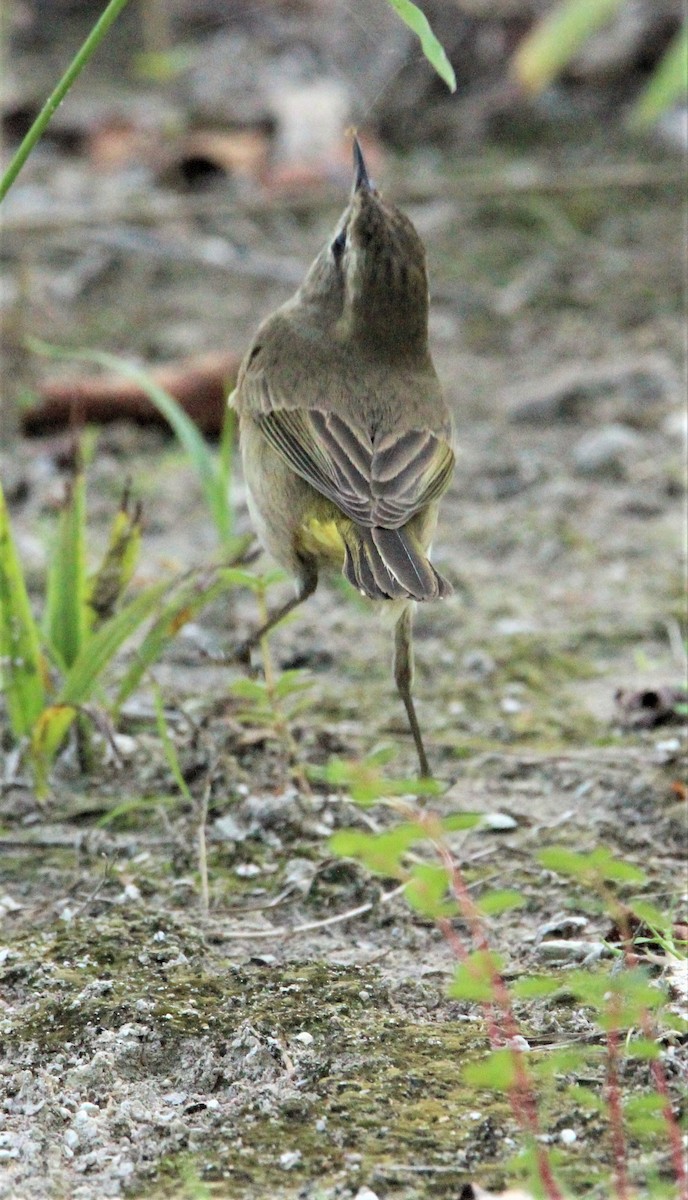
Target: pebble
[
  {"x": 289, "y": 1159},
  {"x": 571, "y": 950},
  {"x": 605, "y": 451}
]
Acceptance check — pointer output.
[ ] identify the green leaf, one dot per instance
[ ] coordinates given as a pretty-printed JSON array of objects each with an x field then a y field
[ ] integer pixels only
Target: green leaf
[
  {"x": 102, "y": 647},
  {"x": 250, "y": 689},
  {"x": 651, "y": 915},
  {"x": 497, "y": 1071},
  {"x": 557, "y": 38},
  {"x": 564, "y": 1060},
  {"x": 65, "y": 610},
  {"x": 291, "y": 682},
  {"x": 600, "y": 864},
  {"x": 668, "y": 85},
  {"x": 532, "y": 987},
  {"x": 189, "y": 599},
  {"x": 458, "y": 821},
  {"x": 494, "y": 903},
  {"x": 426, "y": 891},
  {"x": 475, "y": 978},
  {"x": 169, "y": 747},
  {"x": 621, "y": 999},
  {"x": 418, "y": 23},
  {"x": 109, "y": 581},
  {"x": 21, "y": 662},
  {"x": 47, "y": 735},
  {"x": 366, "y": 784},
  {"x": 642, "y": 1048},
  {"x": 584, "y": 1098},
  {"x": 645, "y": 1115},
  {"x": 380, "y": 852}
]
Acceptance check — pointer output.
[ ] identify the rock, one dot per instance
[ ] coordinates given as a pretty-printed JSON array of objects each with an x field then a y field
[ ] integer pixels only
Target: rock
[
  {"x": 638, "y": 387},
  {"x": 605, "y": 451}
]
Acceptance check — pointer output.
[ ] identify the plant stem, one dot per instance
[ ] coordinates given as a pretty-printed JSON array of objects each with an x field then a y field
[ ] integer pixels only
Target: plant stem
[
  {"x": 501, "y": 1022},
  {"x": 57, "y": 96}
]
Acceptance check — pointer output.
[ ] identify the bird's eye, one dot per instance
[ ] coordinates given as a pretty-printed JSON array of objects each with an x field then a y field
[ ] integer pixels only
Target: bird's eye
[{"x": 338, "y": 245}]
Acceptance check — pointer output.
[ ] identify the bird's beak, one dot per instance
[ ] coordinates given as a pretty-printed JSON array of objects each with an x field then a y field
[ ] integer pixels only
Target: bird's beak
[{"x": 361, "y": 177}]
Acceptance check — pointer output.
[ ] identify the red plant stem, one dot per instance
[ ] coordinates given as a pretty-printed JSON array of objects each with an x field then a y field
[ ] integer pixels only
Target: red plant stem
[
  {"x": 631, "y": 960},
  {"x": 521, "y": 1094},
  {"x": 613, "y": 1091}
]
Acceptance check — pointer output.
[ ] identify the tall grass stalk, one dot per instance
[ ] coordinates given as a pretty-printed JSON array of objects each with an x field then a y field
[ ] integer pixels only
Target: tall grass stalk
[{"x": 56, "y": 97}]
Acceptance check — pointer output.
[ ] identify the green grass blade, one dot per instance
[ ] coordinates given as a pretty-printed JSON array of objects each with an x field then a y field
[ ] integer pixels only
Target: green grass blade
[
  {"x": 47, "y": 735},
  {"x": 169, "y": 747},
  {"x": 21, "y": 663},
  {"x": 102, "y": 647},
  {"x": 107, "y": 585},
  {"x": 417, "y": 21},
  {"x": 57, "y": 96},
  {"x": 668, "y": 85},
  {"x": 66, "y": 600},
  {"x": 204, "y": 462},
  {"x": 557, "y": 38},
  {"x": 189, "y": 600}
]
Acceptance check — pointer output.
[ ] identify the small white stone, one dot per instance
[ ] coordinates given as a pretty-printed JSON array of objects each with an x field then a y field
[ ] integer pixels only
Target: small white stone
[
  {"x": 247, "y": 870},
  {"x": 519, "y": 1043},
  {"x": 305, "y": 1038},
  {"x": 289, "y": 1159}
]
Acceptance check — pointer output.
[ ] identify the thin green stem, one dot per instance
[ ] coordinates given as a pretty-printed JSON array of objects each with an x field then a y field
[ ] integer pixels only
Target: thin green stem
[{"x": 57, "y": 96}]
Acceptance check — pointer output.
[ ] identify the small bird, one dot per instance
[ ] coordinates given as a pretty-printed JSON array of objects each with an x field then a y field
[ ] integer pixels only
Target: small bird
[{"x": 344, "y": 431}]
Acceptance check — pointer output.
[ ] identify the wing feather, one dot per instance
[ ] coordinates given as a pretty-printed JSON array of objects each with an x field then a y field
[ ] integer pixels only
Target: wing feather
[{"x": 375, "y": 485}]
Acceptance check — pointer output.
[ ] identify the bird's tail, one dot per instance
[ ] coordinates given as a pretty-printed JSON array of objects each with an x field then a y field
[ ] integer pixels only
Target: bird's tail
[{"x": 388, "y": 564}]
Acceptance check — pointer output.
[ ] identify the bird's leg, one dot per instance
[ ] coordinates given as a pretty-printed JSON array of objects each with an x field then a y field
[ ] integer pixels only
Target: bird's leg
[
  {"x": 306, "y": 584},
  {"x": 403, "y": 675}
]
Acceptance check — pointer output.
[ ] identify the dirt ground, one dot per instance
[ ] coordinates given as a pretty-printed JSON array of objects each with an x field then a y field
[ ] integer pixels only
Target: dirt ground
[{"x": 269, "y": 1048}]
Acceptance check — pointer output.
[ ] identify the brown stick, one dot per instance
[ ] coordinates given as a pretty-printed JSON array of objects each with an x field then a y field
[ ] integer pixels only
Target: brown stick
[{"x": 201, "y": 385}]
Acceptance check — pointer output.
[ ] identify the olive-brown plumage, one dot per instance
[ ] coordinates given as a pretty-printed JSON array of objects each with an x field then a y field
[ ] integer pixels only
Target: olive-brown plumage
[{"x": 345, "y": 435}]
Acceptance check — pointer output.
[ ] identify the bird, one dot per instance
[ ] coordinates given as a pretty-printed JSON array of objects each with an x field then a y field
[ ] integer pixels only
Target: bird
[{"x": 345, "y": 435}]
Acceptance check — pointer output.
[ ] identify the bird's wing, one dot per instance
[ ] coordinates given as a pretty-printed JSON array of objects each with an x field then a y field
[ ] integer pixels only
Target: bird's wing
[{"x": 376, "y": 481}]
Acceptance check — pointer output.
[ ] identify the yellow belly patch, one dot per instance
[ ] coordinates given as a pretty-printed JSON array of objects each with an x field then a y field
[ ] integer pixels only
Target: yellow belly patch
[{"x": 323, "y": 539}]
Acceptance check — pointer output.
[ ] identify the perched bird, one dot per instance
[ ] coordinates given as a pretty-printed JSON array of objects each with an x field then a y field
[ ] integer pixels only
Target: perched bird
[{"x": 345, "y": 434}]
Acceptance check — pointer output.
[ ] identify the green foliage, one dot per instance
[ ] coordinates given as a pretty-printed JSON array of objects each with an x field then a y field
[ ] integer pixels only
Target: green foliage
[
  {"x": 417, "y": 21},
  {"x": 668, "y": 85},
  {"x": 599, "y": 866},
  {"x": 56, "y": 97},
  {"x": 381, "y": 853},
  {"x": 170, "y": 748},
  {"x": 645, "y": 1115},
  {"x": 186, "y": 599},
  {"x": 496, "y": 1072},
  {"x": 22, "y": 666},
  {"x": 86, "y": 621},
  {"x": 427, "y": 891},
  {"x": 491, "y": 904},
  {"x": 562, "y": 32},
  {"x": 42, "y": 708},
  {"x": 557, "y": 38},
  {"x": 475, "y": 978},
  {"x": 366, "y": 783},
  {"x": 66, "y": 605},
  {"x": 214, "y": 471}
]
